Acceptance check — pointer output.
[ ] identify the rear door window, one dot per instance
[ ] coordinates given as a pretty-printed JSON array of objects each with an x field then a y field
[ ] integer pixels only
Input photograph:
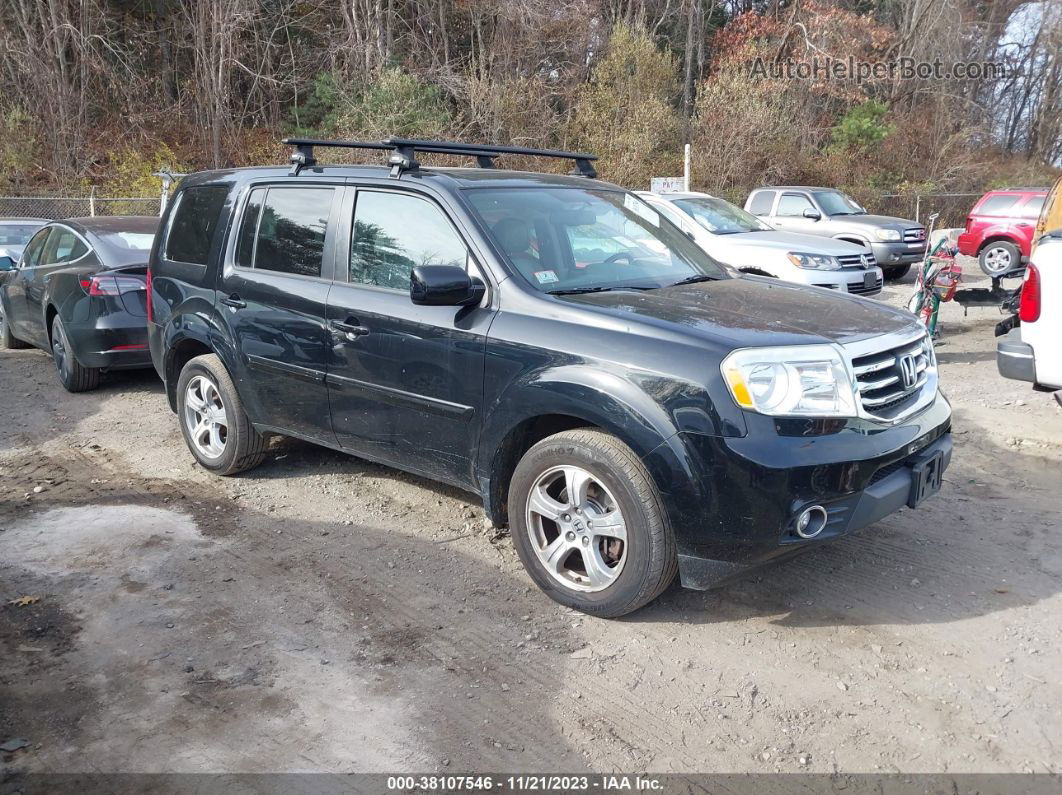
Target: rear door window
[
  {"x": 761, "y": 202},
  {"x": 63, "y": 246},
  {"x": 997, "y": 204},
  {"x": 194, "y": 222},
  {"x": 283, "y": 230}
]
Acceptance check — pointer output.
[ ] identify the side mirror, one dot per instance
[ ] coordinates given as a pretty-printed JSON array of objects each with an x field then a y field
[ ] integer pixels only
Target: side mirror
[
  {"x": 7, "y": 264},
  {"x": 444, "y": 285},
  {"x": 812, "y": 213}
]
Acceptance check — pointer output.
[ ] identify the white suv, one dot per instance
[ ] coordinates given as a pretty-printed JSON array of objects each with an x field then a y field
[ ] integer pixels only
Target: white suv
[
  {"x": 1031, "y": 351},
  {"x": 742, "y": 241}
]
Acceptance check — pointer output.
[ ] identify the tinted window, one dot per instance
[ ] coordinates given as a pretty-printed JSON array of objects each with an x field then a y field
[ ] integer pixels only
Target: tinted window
[
  {"x": 31, "y": 256},
  {"x": 63, "y": 246},
  {"x": 1032, "y": 208},
  {"x": 793, "y": 204},
  {"x": 761, "y": 202},
  {"x": 193, "y": 224},
  {"x": 291, "y": 230},
  {"x": 998, "y": 204},
  {"x": 393, "y": 233},
  {"x": 248, "y": 228}
]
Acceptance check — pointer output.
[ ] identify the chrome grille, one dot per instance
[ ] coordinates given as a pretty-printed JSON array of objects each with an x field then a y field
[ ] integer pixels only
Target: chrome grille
[
  {"x": 861, "y": 261},
  {"x": 859, "y": 289},
  {"x": 914, "y": 235},
  {"x": 890, "y": 381}
]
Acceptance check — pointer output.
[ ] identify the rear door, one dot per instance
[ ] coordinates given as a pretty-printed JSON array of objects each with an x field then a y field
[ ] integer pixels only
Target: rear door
[
  {"x": 406, "y": 381},
  {"x": 15, "y": 287},
  {"x": 273, "y": 293},
  {"x": 64, "y": 248}
]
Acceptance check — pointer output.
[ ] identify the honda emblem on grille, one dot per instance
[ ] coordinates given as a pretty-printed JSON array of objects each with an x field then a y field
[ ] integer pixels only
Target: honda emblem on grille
[{"x": 908, "y": 371}]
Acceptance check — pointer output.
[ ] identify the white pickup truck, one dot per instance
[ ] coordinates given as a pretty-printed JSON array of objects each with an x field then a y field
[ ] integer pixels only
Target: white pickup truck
[{"x": 1033, "y": 351}]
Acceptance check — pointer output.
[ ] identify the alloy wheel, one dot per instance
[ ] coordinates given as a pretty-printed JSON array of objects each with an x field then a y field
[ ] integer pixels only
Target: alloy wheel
[
  {"x": 577, "y": 529},
  {"x": 205, "y": 417},
  {"x": 60, "y": 352},
  {"x": 997, "y": 259}
]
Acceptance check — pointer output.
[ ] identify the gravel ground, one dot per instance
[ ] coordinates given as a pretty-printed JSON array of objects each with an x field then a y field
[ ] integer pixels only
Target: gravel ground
[{"x": 322, "y": 613}]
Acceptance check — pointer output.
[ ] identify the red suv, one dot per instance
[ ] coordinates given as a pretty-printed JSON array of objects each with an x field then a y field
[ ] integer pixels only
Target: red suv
[{"x": 1000, "y": 228}]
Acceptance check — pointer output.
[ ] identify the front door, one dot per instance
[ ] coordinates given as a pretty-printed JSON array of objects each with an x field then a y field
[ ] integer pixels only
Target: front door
[
  {"x": 789, "y": 214},
  {"x": 17, "y": 315},
  {"x": 406, "y": 381},
  {"x": 273, "y": 295}
]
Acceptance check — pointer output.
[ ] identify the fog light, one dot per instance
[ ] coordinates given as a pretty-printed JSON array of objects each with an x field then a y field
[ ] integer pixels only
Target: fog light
[{"x": 811, "y": 521}]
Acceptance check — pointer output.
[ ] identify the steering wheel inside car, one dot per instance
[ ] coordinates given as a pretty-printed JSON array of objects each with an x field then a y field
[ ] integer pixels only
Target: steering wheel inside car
[{"x": 618, "y": 256}]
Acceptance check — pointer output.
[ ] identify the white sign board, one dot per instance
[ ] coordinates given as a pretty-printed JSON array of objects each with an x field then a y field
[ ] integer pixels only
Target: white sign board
[{"x": 667, "y": 185}]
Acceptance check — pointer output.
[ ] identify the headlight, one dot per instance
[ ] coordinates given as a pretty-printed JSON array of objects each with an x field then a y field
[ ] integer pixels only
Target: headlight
[
  {"x": 801, "y": 381},
  {"x": 887, "y": 234},
  {"x": 817, "y": 261}
]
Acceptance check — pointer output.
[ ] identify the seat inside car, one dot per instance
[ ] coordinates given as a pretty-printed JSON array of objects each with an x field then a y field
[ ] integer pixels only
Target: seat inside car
[{"x": 514, "y": 236}]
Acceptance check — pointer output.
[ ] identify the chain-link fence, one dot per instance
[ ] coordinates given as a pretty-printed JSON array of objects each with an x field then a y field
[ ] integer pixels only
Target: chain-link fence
[
  {"x": 952, "y": 207},
  {"x": 55, "y": 207}
]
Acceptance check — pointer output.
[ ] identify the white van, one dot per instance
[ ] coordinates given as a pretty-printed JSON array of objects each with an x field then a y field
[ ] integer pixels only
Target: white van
[{"x": 744, "y": 242}]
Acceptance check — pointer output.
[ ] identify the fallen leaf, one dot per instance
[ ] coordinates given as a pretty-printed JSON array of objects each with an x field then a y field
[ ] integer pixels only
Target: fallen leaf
[
  {"x": 1002, "y": 589},
  {"x": 582, "y": 654},
  {"x": 23, "y": 601}
]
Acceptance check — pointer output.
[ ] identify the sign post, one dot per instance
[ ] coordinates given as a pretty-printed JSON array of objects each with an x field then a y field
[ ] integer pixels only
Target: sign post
[{"x": 686, "y": 168}]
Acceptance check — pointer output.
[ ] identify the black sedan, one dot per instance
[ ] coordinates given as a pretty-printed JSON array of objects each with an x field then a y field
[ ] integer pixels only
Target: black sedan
[{"x": 80, "y": 291}]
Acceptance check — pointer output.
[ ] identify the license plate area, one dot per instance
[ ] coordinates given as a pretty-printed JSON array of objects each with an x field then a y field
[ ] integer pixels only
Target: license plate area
[
  {"x": 870, "y": 280},
  {"x": 926, "y": 478}
]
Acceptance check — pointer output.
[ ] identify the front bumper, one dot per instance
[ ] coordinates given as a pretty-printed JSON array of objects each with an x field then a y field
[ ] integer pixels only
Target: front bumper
[
  {"x": 899, "y": 253},
  {"x": 751, "y": 489},
  {"x": 856, "y": 281},
  {"x": 1016, "y": 359}
]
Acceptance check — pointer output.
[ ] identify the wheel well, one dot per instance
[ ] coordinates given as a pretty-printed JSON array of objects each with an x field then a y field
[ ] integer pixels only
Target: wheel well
[
  {"x": 757, "y": 272},
  {"x": 49, "y": 315},
  {"x": 183, "y": 352},
  {"x": 855, "y": 240},
  {"x": 518, "y": 441},
  {"x": 997, "y": 239}
]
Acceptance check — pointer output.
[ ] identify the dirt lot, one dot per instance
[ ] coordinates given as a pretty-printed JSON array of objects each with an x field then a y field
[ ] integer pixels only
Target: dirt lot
[{"x": 326, "y": 614}]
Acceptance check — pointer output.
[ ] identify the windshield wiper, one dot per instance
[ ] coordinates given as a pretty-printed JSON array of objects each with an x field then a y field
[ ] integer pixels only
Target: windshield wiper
[
  {"x": 700, "y": 277},
  {"x": 581, "y": 290}
]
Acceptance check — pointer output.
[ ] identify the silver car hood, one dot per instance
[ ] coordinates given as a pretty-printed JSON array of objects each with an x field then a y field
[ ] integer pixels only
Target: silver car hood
[{"x": 787, "y": 241}]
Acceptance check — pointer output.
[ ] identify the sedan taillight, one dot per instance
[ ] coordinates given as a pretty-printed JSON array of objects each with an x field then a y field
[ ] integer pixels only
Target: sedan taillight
[{"x": 111, "y": 285}]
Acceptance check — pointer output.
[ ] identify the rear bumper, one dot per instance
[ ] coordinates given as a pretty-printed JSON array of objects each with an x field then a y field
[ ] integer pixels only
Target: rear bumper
[
  {"x": 739, "y": 508},
  {"x": 1016, "y": 359},
  {"x": 969, "y": 244},
  {"x": 111, "y": 343}
]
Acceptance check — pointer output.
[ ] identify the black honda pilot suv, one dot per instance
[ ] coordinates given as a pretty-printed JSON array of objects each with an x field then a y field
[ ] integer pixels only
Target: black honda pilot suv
[{"x": 626, "y": 405}]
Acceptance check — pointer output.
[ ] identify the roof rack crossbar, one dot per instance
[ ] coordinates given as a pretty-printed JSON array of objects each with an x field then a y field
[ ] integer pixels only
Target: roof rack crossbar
[{"x": 403, "y": 157}]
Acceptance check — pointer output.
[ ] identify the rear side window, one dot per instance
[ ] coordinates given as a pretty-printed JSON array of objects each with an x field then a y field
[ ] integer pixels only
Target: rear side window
[
  {"x": 283, "y": 230},
  {"x": 63, "y": 246},
  {"x": 761, "y": 202},
  {"x": 997, "y": 204},
  {"x": 194, "y": 222}
]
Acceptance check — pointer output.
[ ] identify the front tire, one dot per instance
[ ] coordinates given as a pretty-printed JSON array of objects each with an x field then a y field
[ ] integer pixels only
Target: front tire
[
  {"x": 72, "y": 374},
  {"x": 214, "y": 425},
  {"x": 999, "y": 257},
  {"x": 588, "y": 524},
  {"x": 7, "y": 339}
]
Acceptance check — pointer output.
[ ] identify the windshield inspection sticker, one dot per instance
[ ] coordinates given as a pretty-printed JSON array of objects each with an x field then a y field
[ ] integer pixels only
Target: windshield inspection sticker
[
  {"x": 546, "y": 277},
  {"x": 638, "y": 207}
]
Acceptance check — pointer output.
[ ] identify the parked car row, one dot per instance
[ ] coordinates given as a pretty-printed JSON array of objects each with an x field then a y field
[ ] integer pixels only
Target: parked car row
[{"x": 633, "y": 409}]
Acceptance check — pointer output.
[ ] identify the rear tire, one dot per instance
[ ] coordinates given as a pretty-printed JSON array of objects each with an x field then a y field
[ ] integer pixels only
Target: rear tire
[
  {"x": 7, "y": 339},
  {"x": 72, "y": 374},
  {"x": 579, "y": 558},
  {"x": 895, "y": 274},
  {"x": 998, "y": 257},
  {"x": 214, "y": 425}
]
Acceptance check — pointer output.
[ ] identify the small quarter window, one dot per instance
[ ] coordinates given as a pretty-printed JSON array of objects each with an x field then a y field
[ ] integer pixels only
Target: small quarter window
[{"x": 194, "y": 221}]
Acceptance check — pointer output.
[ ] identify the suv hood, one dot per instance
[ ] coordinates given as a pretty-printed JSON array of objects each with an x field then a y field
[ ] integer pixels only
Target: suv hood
[
  {"x": 787, "y": 241},
  {"x": 751, "y": 311}
]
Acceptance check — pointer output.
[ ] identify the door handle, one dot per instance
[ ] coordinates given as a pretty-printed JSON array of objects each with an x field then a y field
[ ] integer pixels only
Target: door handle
[
  {"x": 234, "y": 301},
  {"x": 351, "y": 330}
]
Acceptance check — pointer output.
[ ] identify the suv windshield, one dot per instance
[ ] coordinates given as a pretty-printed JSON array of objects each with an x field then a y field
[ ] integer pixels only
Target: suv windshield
[
  {"x": 833, "y": 202},
  {"x": 721, "y": 217},
  {"x": 575, "y": 239}
]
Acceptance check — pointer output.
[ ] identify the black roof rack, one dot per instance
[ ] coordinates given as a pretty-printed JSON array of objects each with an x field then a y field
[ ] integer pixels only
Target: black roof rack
[{"x": 404, "y": 150}]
